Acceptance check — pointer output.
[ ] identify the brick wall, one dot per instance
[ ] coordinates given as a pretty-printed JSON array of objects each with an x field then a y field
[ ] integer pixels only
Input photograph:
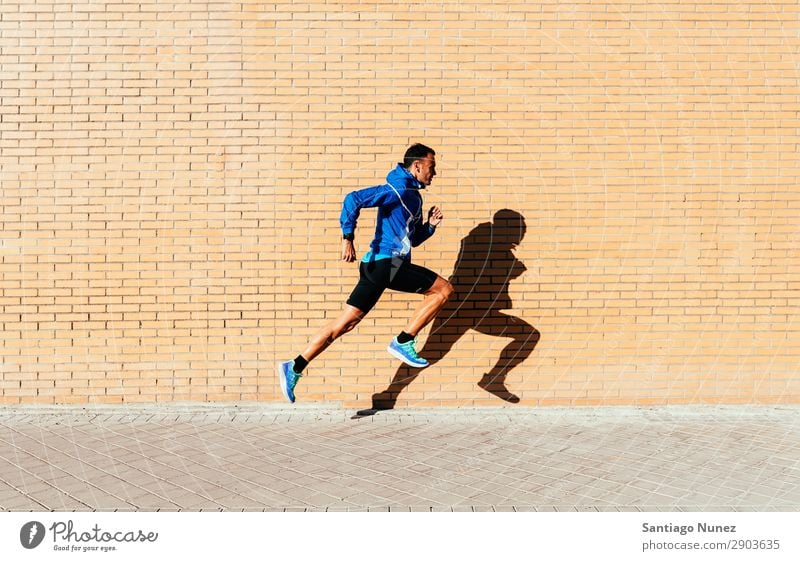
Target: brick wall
[{"x": 172, "y": 176}]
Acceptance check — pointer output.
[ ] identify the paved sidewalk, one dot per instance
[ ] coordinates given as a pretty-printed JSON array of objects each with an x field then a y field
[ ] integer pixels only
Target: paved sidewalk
[{"x": 268, "y": 457}]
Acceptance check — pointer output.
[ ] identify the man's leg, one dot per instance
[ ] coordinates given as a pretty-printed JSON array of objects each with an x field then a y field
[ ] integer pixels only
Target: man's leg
[
  {"x": 364, "y": 296},
  {"x": 347, "y": 321},
  {"x": 436, "y": 294},
  {"x": 290, "y": 371},
  {"x": 435, "y": 299}
]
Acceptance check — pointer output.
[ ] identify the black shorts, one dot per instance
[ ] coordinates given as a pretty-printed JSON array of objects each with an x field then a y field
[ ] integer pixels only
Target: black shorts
[{"x": 377, "y": 276}]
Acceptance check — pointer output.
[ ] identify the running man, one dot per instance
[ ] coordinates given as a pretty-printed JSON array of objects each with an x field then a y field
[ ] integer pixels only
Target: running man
[{"x": 387, "y": 264}]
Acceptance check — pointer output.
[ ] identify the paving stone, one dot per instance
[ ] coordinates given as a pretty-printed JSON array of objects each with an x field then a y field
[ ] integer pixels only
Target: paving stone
[{"x": 250, "y": 457}]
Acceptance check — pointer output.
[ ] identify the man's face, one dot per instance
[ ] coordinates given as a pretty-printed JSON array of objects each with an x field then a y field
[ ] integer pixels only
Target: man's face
[{"x": 423, "y": 170}]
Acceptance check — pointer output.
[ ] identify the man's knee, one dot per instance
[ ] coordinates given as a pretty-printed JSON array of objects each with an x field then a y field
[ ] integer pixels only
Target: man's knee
[
  {"x": 351, "y": 324},
  {"x": 448, "y": 290},
  {"x": 442, "y": 288},
  {"x": 346, "y": 324}
]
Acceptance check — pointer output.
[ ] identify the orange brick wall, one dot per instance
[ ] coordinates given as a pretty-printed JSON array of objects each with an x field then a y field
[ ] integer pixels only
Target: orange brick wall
[{"x": 172, "y": 176}]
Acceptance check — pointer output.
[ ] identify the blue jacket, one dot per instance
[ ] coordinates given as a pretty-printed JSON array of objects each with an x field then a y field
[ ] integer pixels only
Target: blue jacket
[{"x": 399, "y": 226}]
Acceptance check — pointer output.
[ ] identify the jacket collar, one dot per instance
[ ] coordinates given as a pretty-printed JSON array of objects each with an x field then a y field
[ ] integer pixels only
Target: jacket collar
[{"x": 400, "y": 173}]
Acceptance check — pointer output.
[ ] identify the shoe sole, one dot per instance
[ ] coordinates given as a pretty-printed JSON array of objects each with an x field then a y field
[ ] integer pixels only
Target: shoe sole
[
  {"x": 282, "y": 379},
  {"x": 399, "y": 356}
]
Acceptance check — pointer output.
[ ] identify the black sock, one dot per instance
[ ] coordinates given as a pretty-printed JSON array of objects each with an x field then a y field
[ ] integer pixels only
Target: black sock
[
  {"x": 299, "y": 364},
  {"x": 404, "y": 337}
]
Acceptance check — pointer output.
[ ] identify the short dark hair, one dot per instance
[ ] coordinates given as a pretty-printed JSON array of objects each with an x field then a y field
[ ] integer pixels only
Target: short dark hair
[{"x": 416, "y": 152}]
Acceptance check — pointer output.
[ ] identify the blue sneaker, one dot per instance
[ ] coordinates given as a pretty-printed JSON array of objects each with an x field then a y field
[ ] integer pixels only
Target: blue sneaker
[
  {"x": 288, "y": 378},
  {"x": 407, "y": 353}
]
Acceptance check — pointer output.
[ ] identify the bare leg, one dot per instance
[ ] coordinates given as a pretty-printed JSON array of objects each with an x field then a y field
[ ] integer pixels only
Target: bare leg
[
  {"x": 435, "y": 299},
  {"x": 349, "y": 318}
]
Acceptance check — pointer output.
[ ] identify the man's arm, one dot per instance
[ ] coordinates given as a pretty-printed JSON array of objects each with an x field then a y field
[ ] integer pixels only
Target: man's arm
[
  {"x": 424, "y": 231},
  {"x": 351, "y": 208},
  {"x": 364, "y": 198},
  {"x": 348, "y": 251}
]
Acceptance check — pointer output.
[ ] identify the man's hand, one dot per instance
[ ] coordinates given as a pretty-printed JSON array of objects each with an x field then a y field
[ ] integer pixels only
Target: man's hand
[
  {"x": 348, "y": 251},
  {"x": 435, "y": 216}
]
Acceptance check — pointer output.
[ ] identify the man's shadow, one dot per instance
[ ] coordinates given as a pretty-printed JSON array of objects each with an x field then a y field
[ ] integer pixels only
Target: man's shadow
[{"x": 484, "y": 267}]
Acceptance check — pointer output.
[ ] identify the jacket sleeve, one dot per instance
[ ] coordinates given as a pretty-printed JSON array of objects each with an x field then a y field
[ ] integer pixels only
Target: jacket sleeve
[
  {"x": 422, "y": 231},
  {"x": 364, "y": 198}
]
